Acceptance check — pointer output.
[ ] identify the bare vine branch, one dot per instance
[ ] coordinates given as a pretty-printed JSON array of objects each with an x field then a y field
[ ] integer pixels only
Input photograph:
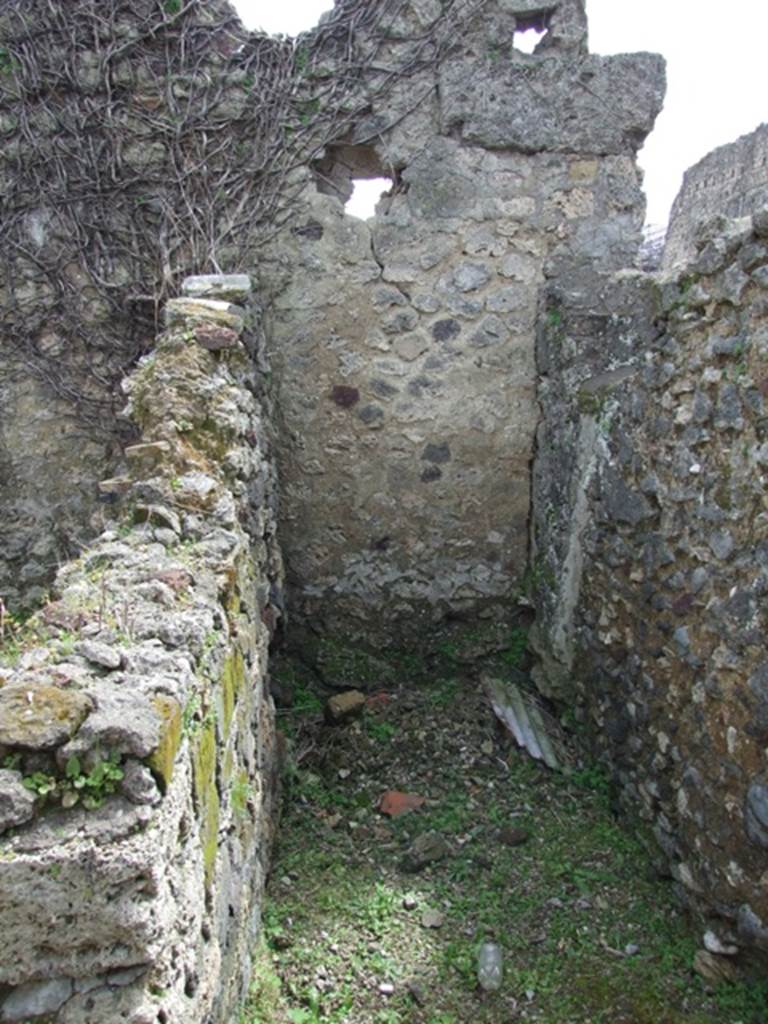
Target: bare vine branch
[{"x": 148, "y": 139}]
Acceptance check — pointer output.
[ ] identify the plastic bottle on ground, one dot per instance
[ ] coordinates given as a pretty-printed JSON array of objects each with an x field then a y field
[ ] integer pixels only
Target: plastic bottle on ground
[{"x": 489, "y": 967}]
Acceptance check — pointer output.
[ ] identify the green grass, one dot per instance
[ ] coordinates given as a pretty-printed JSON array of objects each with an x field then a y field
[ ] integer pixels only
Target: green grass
[
  {"x": 565, "y": 906},
  {"x": 15, "y": 636},
  {"x": 382, "y": 732}
]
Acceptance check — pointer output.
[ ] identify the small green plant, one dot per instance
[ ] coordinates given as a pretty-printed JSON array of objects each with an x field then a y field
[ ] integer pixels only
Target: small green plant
[
  {"x": 11, "y": 634},
  {"x": 590, "y": 403},
  {"x": 593, "y": 777},
  {"x": 448, "y": 649},
  {"x": 743, "y": 1001},
  {"x": 311, "y": 1013},
  {"x": 303, "y": 1016},
  {"x": 190, "y": 720},
  {"x": 538, "y": 576},
  {"x": 518, "y": 644},
  {"x": 444, "y": 692},
  {"x": 67, "y": 643},
  {"x": 301, "y": 59},
  {"x": 90, "y": 788},
  {"x": 739, "y": 370},
  {"x": 40, "y": 783},
  {"x": 241, "y": 793},
  {"x": 305, "y": 700},
  {"x": 387, "y": 1017},
  {"x": 172, "y": 6},
  {"x": 7, "y": 63},
  {"x": 11, "y": 761},
  {"x": 377, "y": 907},
  {"x": 382, "y": 732},
  {"x": 308, "y": 110}
]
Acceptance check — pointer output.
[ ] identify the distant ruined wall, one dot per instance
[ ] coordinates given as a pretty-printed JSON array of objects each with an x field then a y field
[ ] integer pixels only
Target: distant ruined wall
[
  {"x": 402, "y": 348},
  {"x": 138, "y": 754},
  {"x": 732, "y": 181},
  {"x": 650, "y": 556}
]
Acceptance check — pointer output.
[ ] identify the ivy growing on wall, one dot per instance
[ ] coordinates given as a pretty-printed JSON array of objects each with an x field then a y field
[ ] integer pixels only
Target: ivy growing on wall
[{"x": 144, "y": 140}]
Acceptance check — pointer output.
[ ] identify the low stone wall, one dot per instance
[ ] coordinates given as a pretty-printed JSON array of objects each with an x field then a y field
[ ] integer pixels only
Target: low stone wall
[
  {"x": 651, "y": 558},
  {"x": 137, "y": 740}
]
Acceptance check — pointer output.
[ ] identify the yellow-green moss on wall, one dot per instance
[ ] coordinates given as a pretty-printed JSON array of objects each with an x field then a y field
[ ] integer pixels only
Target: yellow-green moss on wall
[
  {"x": 232, "y": 684},
  {"x": 162, "y": 760},
  {"x": 209, "y": 835},
  {"x": 206, "y": 795}
]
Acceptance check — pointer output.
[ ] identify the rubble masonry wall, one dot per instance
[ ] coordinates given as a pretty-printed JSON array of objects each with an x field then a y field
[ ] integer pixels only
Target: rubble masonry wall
[
  {"x": 137, "y": 737},
  {"x": 651, "y": 555}
]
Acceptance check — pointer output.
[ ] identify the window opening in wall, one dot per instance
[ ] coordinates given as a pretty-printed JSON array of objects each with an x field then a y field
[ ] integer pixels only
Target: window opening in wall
[
  {"x": 356, "y": 176},
  {"x": 529, "y": 33},
  {"x": 366, "y": 192},
  {"x": 528, "y": 40}
]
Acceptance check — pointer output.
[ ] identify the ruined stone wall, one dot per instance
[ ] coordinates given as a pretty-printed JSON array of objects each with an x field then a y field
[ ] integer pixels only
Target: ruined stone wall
[
  {"x": 732, "y": 180},
  {"x": 467, "y": 390},
  {"x": 402, "y": 348},
  {"x": 144, "y": 141},
  {"x": 137, "y": 744},
  {"x": 107, "y": 115},
  {"x": 650, "y": 547}
]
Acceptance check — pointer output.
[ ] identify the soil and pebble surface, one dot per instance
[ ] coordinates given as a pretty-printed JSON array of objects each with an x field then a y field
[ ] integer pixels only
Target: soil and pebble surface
[{"x": 414, "y": 830}]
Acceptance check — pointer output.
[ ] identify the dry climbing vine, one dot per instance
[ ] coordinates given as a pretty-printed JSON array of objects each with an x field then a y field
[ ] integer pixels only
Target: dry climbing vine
[{"x": 147, "y": 139}]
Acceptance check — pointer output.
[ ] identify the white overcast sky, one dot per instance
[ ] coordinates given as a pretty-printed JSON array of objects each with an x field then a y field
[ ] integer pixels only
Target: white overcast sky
[{"x": 717, "y": 70}]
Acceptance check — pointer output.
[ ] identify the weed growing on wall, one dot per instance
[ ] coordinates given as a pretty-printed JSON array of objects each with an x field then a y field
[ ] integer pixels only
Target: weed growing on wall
[{"x": 77, "y": 785}]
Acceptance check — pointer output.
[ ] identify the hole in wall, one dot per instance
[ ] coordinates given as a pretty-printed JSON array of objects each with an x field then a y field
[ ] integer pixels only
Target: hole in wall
[
  {"x": 530, "y": 32},
  {"x": 356, "y": 176},
  {"x": 526, "y": 40},
  {"x": 366, "y": 192}
]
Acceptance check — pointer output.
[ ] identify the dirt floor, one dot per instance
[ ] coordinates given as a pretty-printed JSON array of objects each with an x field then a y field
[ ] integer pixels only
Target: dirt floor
[{"x": 377, "y": 919}]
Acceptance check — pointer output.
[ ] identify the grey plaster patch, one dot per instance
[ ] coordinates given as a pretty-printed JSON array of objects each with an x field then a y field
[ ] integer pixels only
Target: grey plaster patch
[
  {"x": 17, "y": 803},
  {"x": 36, "y": 998},
  {"x": 756, "y": 812}
]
